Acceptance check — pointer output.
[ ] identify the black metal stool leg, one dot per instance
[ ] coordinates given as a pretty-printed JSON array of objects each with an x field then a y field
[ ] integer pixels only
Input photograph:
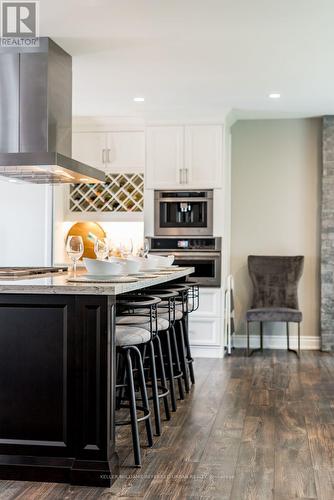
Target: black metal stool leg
[
  {"x": 143, "y": 391},
  {"x": 188, "y": 350},
  {"x": 183, "y": 358},
  {"x": 155, "y": 392},
  {"x": 177, "y": 362},
  {"x": 287, "y": 336},
  {"x": 162, "y": 376},
  {"x": 247, "y": 333},
  {"x": 170, "y": 372},
  {"x": 133, "y": 412}
]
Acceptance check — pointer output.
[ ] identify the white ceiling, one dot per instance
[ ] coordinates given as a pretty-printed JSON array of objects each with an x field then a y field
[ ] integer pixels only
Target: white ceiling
[{"x": 196, "y": 58}]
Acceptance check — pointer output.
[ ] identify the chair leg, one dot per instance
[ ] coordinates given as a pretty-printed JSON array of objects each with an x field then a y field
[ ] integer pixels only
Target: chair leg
[
  {"x": 155, "y": 392},
  {"x": 133, "y": 412},
  {"x": 251, "y": 351},
  {"x": 299, "y": 340},
  {"x": 287, "y": 336},
  {"x": 163, "y": 376},
  {"x": 288, "y": 340}
]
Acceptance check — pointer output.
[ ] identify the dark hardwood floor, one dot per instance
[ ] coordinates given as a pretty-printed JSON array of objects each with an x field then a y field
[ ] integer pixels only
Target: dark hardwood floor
[{"x": 252, "y": 428}]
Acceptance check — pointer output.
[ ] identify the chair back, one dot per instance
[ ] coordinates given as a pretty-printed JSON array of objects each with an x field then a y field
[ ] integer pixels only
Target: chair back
[{"x": 275, "y": 280}]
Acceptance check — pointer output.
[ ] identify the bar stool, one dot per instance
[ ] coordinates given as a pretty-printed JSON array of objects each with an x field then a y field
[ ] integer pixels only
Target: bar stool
[
  {"x": 193, "y": 305},
  {"x": 129, "y": 339},
  {"x": 167, "y": 312},
  {"x": 183, "y": 307},
  {"x": 135, "y": 313}
]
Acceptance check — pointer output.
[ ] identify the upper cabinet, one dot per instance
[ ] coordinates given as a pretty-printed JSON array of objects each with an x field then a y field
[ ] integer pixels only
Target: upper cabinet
[
  {"x": 113, "y": 152},
  {"x": 189, "y": 156},
  {"x": 164, "y": 156},
  {"x": 90, "y": 148},
  {"x": 203, "y": 155}
]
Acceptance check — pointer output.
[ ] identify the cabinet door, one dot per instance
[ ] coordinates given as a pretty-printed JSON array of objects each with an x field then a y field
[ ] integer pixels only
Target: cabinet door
[
  {"x": 203, "y": 156},
  {"x": 164, "y": 154},
  {"x": 204, "y": 331},
  {"x": 126, "y": 152},
  {"x": 90, "y": 148}
]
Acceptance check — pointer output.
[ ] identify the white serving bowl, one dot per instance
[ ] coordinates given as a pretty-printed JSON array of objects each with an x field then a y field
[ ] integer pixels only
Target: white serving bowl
[
  {"x": 146, "y": 264},
  {"x": 103, "y": 267},
  {"x": 132, "y": 266},
  {"x": 161, "y": 261}
]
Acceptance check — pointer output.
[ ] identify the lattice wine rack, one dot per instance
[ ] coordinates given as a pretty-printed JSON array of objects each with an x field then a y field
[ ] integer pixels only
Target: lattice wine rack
[{"x": 120, "y": 193}]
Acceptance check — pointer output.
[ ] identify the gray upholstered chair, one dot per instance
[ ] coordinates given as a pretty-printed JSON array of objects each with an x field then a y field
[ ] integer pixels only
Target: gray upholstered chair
[{"x": 275, "y": 282}]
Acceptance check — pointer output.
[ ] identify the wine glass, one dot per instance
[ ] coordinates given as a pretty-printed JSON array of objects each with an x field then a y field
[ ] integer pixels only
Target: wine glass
[
  {"x": 101, "y": 248},
  {"x": 75, "y": 249},
  {"x": 146, "y": 247},
  {"x": 126, "y": 248}
]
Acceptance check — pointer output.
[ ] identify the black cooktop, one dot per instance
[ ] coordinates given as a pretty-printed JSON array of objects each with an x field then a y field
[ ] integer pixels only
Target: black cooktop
[{"x": 29, "y": 271}]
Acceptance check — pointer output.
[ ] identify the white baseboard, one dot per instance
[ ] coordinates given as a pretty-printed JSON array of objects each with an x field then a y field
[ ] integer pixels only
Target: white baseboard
[
  {"x": 278, "y": 341},
  {"x": 207, "y": 351}
]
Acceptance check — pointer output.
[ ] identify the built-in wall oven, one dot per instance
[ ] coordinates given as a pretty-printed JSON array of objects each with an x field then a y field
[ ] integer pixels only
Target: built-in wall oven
[
  {"x": 204, "y": 254},
  {"x": 183, "y": 213}
]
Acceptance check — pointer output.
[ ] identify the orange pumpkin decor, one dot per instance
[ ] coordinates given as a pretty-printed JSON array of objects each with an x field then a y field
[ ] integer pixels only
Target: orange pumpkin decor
[{"x": 82, "y": 229}]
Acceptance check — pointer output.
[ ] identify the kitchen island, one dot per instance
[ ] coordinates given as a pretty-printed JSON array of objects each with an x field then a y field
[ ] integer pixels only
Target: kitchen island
[{"x": 57, "y": 377}]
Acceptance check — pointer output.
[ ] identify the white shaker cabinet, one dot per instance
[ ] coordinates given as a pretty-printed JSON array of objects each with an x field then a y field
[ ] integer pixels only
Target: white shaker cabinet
[
  {"x": 205, "y": 324},
  {"x": 126, "y": 152},
  {"x": 184, "y": 156},
  {"x": 203, "y": 155},
  {"x": 90, "y": 148},
  {"x": 164, "y": 157},
  {"x": 112, "y": 152}
]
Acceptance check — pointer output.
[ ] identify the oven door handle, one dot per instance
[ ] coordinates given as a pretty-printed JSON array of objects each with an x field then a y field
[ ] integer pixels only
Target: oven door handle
[
  {"x": 182, "y": 200},
  {"x": 189, "y": 255}
]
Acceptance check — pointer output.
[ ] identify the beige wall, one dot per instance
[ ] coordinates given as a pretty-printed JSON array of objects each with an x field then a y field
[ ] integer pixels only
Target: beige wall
[{"x": 275, "y": 206}]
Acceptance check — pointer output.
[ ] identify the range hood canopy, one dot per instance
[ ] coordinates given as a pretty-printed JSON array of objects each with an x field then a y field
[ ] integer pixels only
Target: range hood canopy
[{"x": 36, "y": 117}]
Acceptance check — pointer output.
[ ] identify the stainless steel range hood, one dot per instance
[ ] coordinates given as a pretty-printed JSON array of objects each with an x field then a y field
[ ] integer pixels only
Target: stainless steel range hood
[{"x": 36, "y": 117}]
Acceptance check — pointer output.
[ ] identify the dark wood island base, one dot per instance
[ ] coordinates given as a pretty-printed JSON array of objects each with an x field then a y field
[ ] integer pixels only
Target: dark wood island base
[
  {"x": 57, "y": 388},
  {"x": 57, "y": 377}
]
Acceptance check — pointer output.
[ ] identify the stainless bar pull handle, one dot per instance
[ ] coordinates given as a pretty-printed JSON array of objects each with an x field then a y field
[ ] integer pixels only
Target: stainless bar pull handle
[
  {"x": 180, "y": 176},
  {"x": 103, "y": 155},
  {"x": 186, "y": 176}
]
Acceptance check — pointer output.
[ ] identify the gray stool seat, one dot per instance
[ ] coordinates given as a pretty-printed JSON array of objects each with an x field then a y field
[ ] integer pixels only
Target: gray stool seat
[
  {"x": 142, "y": 321},
  {"x": 162, "y": 313},
  {"x": 131, "y": 335},
  {"x": 274, "y": 314}
]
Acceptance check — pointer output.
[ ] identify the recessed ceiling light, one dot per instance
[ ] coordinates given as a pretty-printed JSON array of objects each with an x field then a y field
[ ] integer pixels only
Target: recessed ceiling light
[
  {"x": 139, "y": 99},
  {"x": 274, "y": 95}
]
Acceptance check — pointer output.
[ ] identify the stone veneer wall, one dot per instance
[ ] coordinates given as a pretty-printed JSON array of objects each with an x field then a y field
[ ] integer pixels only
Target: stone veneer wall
[{"x": 327, "y": 236}]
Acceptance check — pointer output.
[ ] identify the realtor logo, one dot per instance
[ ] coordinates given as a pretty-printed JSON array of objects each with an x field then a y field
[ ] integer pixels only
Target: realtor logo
[{"x": 19, "y": 23}]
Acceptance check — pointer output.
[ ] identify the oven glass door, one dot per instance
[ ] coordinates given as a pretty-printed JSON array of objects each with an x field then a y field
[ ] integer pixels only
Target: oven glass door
[
  {"x": 183, "y": 213},
  {"x": 207, "y": 269}
]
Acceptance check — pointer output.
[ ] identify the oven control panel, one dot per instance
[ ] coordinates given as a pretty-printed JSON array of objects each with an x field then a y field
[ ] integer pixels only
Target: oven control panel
[{"x": 202, "y": 244}]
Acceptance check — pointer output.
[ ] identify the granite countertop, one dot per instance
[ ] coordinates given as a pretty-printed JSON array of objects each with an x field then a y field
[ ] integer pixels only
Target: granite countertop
[{"x": 59, "y": 284}]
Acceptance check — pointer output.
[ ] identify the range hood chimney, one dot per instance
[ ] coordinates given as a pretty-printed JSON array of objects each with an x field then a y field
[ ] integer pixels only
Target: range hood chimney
[{"x": 36, "y": 117}]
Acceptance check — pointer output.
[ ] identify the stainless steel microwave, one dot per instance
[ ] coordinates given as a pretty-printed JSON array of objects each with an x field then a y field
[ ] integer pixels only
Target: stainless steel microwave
[
  {"x": 204, "y": 254},
  {"x": 183, "y": 213}
]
